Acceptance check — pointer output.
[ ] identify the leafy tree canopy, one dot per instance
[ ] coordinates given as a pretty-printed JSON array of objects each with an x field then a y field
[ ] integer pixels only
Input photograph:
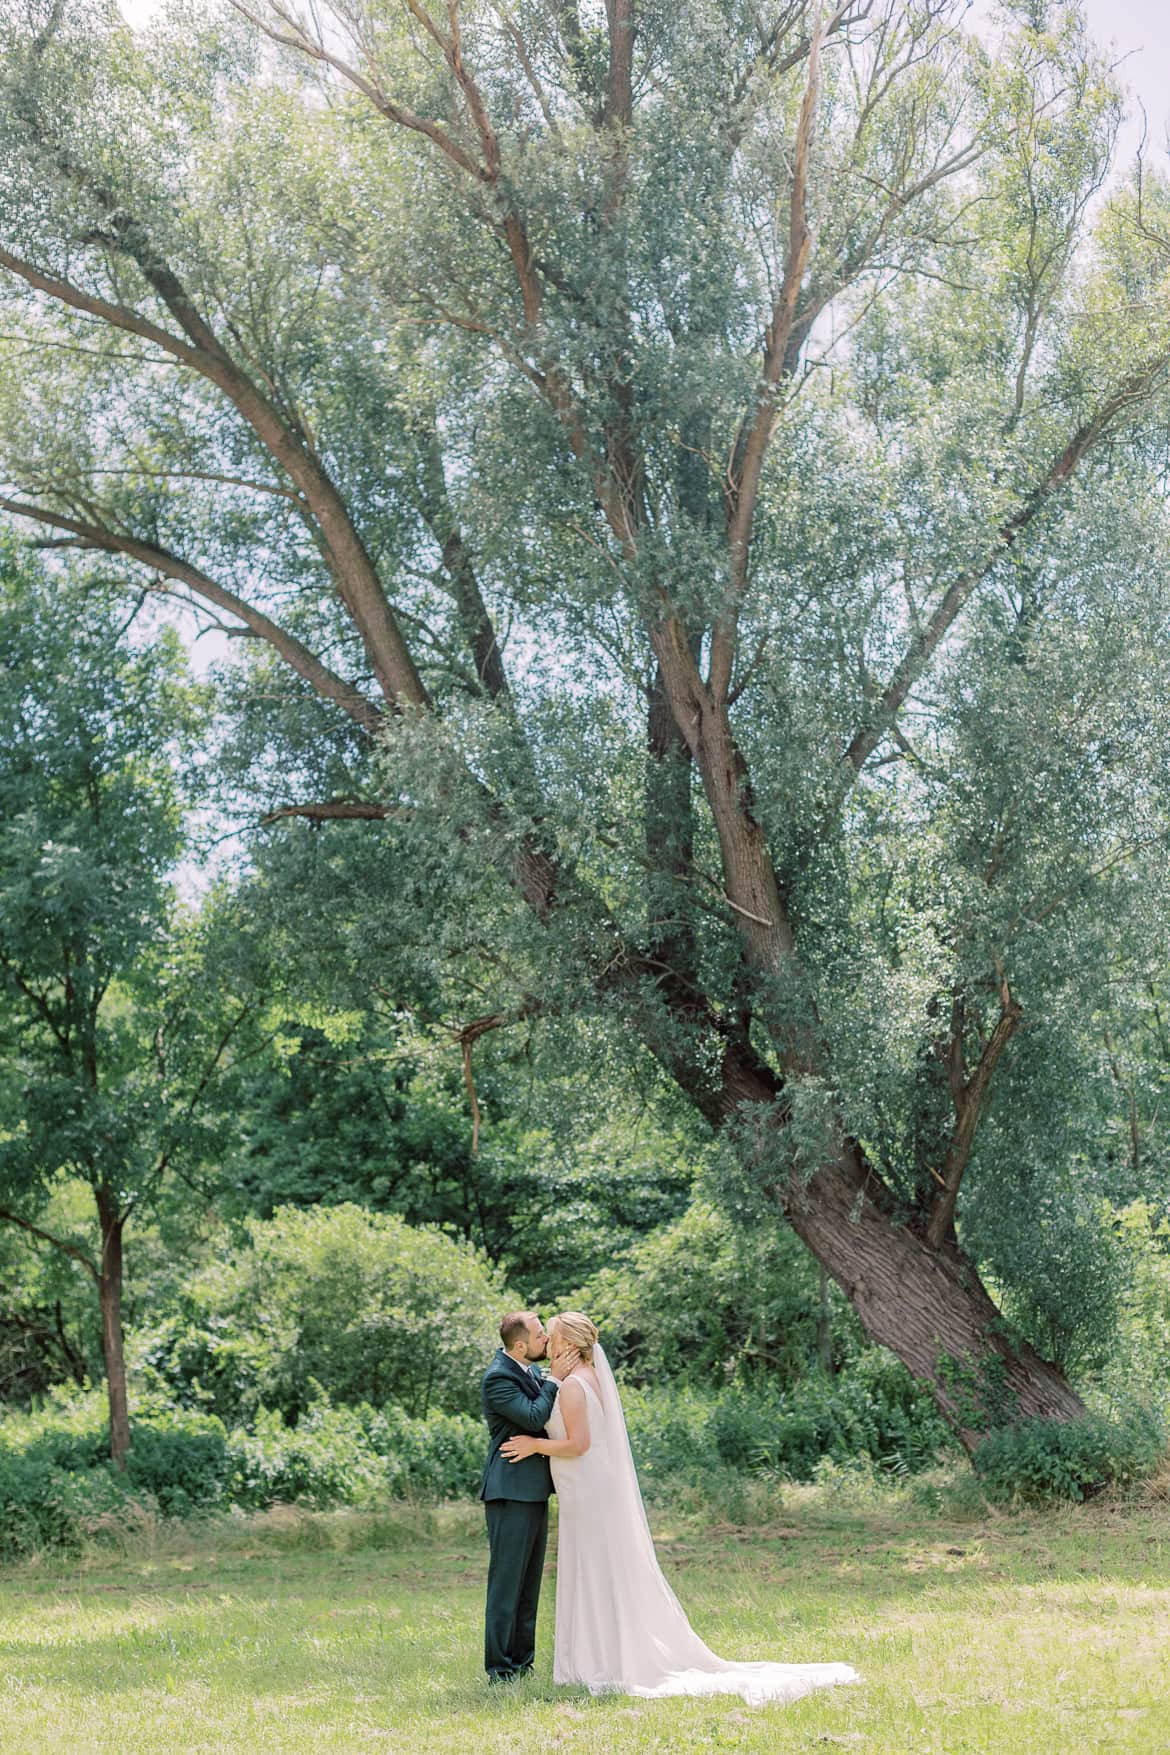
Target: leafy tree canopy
[{"x": 696, "y": 481}]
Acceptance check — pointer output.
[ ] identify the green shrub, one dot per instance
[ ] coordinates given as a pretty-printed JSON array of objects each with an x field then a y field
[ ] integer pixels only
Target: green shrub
[
  {"x": 35, "y": 1508},
  {"x": 57, "y": 1483},
  {"x": 1036, "y": 1462},
  {"x": 1142, "y": 1351},
  {"x": 351, "y": 1456},
  {"x": 182, "y": 1460},
  {"x": 874, "y": 1410},
  {"x": 68, "y": 1431},
  {"x": 56, "y": 1478},
  {"x": 438, "y": 1458},
  {"x": 196, "y": 1357},
  {"x": 670, "y": 1433},
  {"x": 374, "y": 1309},
  {"x": 702, "y": 1299},
  {"x": 325, "y": 1460}
]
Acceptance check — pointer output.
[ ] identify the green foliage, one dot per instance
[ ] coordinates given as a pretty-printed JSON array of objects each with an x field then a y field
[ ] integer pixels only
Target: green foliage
[
  {"x": 1061, "y": 1269},
  {"x": 703, "y": 1299},
  {"x": 181, "y": 1462},
  {"x": 1036, "y": 1462},
  {"x": 200, "y": 1357},
  {"x": 35, "y": 1508},
  {"x": 359, "y": 1302},
  {"x": 578, "y": 1192},
  {"x": 1137, "y": 1373},
  {"x": 440, "y": 1457},
  {"x": 48, "y": 1320},
  {"x": 354, "y": 1456},
  {"x": 121, "y": 1014},
  {"x": 95, "y": 738},
  {"x": 375, "y": 1112},
  {"x": 57, "y": 1484},
  {"x": 323, "y": 1460},
  {"x": 356, "y": 1119},
  {"x": 874, "y": 1410},
  {"x": 978, "y": 1391}
]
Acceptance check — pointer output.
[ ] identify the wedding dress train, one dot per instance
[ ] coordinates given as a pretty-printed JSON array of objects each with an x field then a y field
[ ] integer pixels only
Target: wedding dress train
[{"x": 619, "y": 1626}]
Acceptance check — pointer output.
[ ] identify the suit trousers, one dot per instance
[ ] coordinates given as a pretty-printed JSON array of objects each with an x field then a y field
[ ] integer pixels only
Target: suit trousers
[{"x": 517, "y": 1536}]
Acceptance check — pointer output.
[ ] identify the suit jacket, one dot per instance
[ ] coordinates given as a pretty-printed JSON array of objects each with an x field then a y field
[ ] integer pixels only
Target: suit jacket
[{"x": 513, "y": 1402}]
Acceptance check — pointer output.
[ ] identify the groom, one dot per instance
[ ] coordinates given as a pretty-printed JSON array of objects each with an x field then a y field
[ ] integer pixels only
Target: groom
[{"x": 516, "y": 1398}]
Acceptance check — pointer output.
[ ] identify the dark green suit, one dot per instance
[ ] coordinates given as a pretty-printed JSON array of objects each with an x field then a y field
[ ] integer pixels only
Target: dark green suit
[{"x": 515, "y": 1499}]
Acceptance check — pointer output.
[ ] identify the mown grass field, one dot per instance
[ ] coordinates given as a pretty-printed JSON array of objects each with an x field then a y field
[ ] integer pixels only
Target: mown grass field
[{"x": 978, "y": 1632}]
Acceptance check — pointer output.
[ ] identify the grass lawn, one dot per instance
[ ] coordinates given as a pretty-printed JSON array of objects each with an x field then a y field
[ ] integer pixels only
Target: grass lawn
[{"x": 1005, "y": 1635}]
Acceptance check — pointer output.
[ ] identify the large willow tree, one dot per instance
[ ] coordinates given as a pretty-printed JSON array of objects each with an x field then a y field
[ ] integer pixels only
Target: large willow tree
[{"x": 701, "y": 462}]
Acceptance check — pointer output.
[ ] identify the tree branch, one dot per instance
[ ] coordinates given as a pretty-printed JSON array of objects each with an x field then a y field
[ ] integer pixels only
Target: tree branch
[
  {"x": 37, "y": 1000},
  {"x": 323, "y": 680},
  {"x": 516, "y": 38},
  {"x": 969, "y": 1096},
  {"x": 744, "y": 488},
  {"x": 118, "y": 316},
  {"x": 330, "y": 810},
  {"x": 69, "y": 1249},
  {"x": 474, "y": 621},
  {"x": 353, "y": 573},
  {"x": 295, "y": 36},
  {"x": 189, "y": 1108},
  {"x": 929, "y": 636},
  {"x": 619, "y": 89}
]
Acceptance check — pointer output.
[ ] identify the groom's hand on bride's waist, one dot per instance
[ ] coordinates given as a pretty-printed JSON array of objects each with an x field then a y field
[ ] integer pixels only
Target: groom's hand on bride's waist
[{"x": 516, "y": 1449}]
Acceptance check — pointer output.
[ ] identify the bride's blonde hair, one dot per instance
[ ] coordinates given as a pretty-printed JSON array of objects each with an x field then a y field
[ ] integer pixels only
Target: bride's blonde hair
[{"x": 577, "y": 1331}]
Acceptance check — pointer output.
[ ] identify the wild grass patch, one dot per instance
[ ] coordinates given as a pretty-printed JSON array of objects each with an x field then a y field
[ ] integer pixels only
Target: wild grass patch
[{"x": 977, "y": 1631}]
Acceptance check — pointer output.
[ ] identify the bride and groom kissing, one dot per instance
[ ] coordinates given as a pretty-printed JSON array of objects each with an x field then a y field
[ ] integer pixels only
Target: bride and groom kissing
[{"x": 619, "y": 1626}]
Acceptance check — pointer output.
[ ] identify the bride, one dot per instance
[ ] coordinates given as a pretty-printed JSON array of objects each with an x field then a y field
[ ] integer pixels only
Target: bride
[{"x": 619, "y": 1626}]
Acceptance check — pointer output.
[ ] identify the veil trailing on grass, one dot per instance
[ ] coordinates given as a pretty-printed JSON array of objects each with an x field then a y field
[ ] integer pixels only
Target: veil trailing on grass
[{"x": 643, "y": 1643}]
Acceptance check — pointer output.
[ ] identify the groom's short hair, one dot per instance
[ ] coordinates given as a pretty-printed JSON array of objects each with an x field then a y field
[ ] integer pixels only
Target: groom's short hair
[{"x": 513, "y": 1327}]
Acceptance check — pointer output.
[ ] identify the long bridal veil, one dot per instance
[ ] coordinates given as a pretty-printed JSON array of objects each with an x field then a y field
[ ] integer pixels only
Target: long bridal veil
[{"x": 658, "y": 1651}]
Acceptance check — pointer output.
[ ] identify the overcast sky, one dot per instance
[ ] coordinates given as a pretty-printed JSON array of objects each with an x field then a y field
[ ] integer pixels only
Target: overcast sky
[{"x": 1140, "y": 31}]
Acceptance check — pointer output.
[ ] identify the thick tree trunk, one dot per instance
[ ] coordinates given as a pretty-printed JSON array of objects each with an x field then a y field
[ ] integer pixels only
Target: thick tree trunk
[
  {"x": 925, "y": 1303},
  {"x": 915, "y": 1294},
  {"x": 110, "y": 1296}
]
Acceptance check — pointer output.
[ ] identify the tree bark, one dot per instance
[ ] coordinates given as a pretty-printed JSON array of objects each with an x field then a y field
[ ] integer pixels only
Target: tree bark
[
  {"x": 926, "y": 1304},
  {"x": 110, "y": 1297}
]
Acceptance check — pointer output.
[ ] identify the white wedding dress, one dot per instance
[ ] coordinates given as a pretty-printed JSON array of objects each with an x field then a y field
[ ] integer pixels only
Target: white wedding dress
[{"x": 619, "y": 1626}]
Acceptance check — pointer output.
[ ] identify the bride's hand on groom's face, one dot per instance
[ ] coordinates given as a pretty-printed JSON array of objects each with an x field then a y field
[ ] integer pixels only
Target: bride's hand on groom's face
[{"x": 516, "y": 1449}]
